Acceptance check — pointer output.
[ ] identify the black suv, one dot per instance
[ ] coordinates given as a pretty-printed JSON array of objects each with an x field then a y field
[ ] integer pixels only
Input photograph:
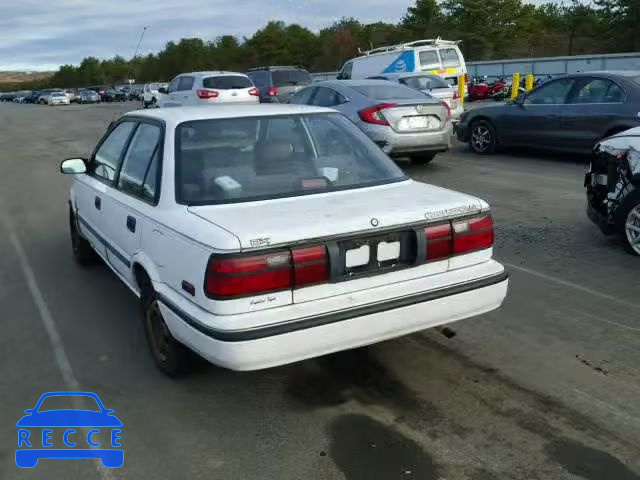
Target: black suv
[{"x": 279, "y": 84}]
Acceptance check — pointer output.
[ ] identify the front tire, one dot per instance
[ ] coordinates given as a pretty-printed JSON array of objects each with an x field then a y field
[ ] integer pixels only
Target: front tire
[
  {"x": 483, "y": 139},
  {"x": 83, "y": 252},
  {"x": 422, "y": 158},
  {"x": 628, "y": 219},
  {"x": 170, "y": 356}
]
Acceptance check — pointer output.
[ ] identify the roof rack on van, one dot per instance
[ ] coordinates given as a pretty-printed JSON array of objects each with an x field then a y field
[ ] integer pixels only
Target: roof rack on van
[{"x": 416, "y": 43}]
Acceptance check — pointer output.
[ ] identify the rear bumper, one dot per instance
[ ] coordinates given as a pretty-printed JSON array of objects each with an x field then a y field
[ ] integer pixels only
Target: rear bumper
[
  {"x": 394, "y": 143},
  {"x": 282, "y": 343}
]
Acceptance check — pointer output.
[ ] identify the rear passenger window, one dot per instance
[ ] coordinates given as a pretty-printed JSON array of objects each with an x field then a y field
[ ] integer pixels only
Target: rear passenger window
[
  {"x": 139, "y": 167},
  {"x": 106, "y": 160},
  {"x": 186, "y": 83},
  {"x": 326, "y": 97},
  {"x": 227, "y": 82},
  {"x": 597, "y": 90},
  {"x": 303, "y": 97}
]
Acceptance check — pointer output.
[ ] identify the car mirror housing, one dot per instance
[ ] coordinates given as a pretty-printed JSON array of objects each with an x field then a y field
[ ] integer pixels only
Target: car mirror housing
[
  {"x": 162, "y": 90},
  {"x": 73, "y": 166},
  {"x": 29, "y": 410}
]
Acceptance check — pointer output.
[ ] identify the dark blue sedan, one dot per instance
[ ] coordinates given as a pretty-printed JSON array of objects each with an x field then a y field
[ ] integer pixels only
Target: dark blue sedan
[{"x": 569, "y": 113}]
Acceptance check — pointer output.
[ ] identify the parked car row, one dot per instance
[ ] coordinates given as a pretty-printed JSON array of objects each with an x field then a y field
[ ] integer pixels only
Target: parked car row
[{"x": 405, "y": 115}]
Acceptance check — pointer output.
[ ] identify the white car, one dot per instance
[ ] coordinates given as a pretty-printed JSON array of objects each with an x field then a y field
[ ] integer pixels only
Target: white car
[
  {"x": 209, "y": 88},
  {"x": 57, "y": 98},
  {"x": 257, "y": 236},
  {"x": 150, "y": 94}
]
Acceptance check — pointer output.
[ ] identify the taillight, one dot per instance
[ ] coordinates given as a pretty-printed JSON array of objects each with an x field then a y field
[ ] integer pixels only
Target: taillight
[
  {"x": 205, "y": 94},
  {"x": 472, "y": 234},
  {"x": 254, "y": 92},
  {"x": 310, "y": 265},
  {"x": 455, "y": 100},
  {"x": 272, "y": 91},
  {"x": 239, "y": 276},
  {"x": 446, "y": 105},
  {"x": 439, "y": 241},
  {"x": 459, "y": 237},
  {"x": 374, "y": 114}
]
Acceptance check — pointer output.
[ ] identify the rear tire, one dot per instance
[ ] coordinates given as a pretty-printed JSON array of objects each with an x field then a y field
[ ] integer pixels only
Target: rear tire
[
  {"x": 422, "y": 158},
  {"x": 170, "y": 356},
  {"x": 83, "y": 252},
  {"x": 483, "y": 139}
]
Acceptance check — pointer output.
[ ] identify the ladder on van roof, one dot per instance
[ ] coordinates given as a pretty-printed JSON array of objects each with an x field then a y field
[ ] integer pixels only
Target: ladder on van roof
[{"x": 417, "y": 43}]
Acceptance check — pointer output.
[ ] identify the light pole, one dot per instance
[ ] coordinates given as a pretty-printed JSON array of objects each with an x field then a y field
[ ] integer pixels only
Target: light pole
[{"x": 135, "y": 53}]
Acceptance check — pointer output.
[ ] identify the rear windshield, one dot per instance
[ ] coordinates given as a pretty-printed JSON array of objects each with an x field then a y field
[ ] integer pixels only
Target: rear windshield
[
  {"x": 426, "y": 82},
  {"x": 283, "y": 78},
  {"x": 258, "y": 158},
  {"x": 227, "y": 82},
  {"x": 429, "y": 57},
  {"x": 57, "y": 94},
  {"x": 449, "y": 57},
  {"x": 389, "y": 92}
]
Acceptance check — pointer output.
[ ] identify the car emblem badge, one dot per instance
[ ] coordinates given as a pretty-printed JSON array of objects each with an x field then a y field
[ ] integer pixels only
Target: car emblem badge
[
  {"x": 374, "y": 222},
  {"x": 419, "y": 108}
]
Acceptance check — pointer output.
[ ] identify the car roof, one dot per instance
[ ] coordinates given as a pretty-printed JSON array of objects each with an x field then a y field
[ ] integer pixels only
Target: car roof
[
  {"x": 208, "y": 74},
  {"x": 353, "y": 83},
  {"x": 408, "y": 74},
  {"x": 618, "y": 73},
  {"x": 176, "y": 115},
  {"x": 276, "y": 67}
]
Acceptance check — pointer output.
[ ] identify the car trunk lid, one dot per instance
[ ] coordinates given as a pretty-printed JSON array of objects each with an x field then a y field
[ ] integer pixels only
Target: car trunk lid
[
  {"x": 386, "y": 219},
  {"x": 409, "y": 116}
]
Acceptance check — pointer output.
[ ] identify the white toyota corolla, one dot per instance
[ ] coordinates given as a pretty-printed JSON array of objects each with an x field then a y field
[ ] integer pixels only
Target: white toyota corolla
[{"x": 261, "y": 235}]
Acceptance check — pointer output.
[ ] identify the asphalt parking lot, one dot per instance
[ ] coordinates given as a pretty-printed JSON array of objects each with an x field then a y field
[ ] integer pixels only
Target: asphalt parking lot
[{"x": 547, "y": 387}]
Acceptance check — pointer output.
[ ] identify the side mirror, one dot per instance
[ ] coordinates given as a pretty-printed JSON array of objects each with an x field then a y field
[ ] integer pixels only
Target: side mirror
[
  {"x": 73, "y": 166},
  {"x": 162, "y": 90}
]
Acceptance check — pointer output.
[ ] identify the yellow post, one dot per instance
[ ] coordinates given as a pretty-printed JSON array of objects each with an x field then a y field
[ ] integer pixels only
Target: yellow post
[
  {"x": 462, "y": 88},
  {"x": 528, "y": 82},
  {"x": 515, "y": 85}
]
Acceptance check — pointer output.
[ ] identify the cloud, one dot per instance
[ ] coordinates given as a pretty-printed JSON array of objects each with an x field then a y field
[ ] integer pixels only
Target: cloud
[{"x": 35, "y": 35}]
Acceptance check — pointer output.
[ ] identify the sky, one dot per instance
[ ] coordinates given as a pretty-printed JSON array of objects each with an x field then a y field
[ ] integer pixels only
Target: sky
[{"x": 44, "y": 34}]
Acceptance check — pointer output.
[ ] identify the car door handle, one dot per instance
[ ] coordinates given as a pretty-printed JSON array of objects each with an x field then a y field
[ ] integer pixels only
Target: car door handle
[
  {"x": 131, "y": 224},
  {"x": 98, "y": 203}
]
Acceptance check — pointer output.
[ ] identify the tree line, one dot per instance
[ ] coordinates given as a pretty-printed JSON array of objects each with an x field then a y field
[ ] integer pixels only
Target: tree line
[{"x": 488, "y": 29}]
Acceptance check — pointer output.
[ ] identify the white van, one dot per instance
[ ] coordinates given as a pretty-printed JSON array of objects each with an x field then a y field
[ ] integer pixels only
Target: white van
[{"x": 435, "y": 56}]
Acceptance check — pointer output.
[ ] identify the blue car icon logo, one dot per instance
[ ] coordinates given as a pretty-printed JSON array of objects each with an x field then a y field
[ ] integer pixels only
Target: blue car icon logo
[{"x": 89, "y": 430}]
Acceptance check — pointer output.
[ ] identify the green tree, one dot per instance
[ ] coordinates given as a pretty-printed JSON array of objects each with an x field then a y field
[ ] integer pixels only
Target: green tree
[{"x": 423, "y": 19}]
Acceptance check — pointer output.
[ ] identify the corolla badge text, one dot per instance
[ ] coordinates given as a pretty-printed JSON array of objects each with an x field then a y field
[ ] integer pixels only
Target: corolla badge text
[{"x": 69, "y": 425}]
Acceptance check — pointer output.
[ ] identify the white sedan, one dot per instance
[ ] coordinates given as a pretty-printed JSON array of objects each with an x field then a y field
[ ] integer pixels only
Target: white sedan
[{"x": 257, "y": 236}]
